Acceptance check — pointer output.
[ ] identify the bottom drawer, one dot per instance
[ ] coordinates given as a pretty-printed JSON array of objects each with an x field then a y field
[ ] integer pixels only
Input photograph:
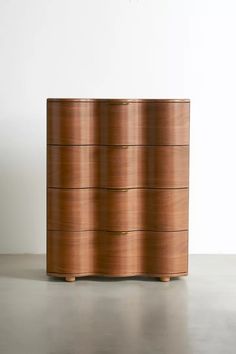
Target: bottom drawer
[{"x": 117, "y": 253}]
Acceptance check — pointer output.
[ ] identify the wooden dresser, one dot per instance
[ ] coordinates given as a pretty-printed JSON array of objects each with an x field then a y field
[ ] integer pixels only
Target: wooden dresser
[{"x": 117, "y": 187}]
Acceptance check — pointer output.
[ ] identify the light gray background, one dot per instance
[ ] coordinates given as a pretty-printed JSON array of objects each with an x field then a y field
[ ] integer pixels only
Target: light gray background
[{"x": 117, "y": 48}]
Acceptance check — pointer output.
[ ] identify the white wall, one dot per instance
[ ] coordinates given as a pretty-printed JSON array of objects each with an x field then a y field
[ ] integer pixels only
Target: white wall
[{"x": 117, "y": 48}]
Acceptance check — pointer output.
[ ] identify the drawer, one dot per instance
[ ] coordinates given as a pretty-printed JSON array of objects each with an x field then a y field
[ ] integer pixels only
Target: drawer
[
  {"x": 118, "y": 166},
  {"x": 117, "y": 253},
  {"x": 117, "y": 210},
  {"x": 72, "y": 122},
  {"x": 117, "y": 123}
]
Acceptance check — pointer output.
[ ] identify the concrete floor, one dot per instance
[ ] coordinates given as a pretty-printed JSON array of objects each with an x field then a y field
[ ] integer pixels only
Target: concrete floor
[{"x": 39, "y": 315}]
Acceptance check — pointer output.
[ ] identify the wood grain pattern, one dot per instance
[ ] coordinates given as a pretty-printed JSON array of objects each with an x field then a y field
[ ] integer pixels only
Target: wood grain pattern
[
  {"x": 117, "y": 187},
  {"x": 169, "y": 123},
  {"x": 123, "y": 124},
  {"x": 118, "y": 166},
  {"x": 117, "y": 210},
  {"x": 167, "y": 167},
  {"x": 73, "y": 166},
  {"x": 117, "y": 254},
  {"x": 118, "y": 122},
  {"x": 71, "y": 252},
  {"x": 167, "y": 210},
  {"x": 72, "y": 209},
  {"x": 122, "y": 210},
  {"x": 122, "y": 166},
  {"x": 72, "y": 123}
]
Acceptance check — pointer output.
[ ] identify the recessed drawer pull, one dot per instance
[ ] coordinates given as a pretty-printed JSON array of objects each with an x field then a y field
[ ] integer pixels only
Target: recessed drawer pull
[
  {"x": 120, "y": 146},
  {"x": 118, "y": 103},
  {"x": 119, "y": 190},
  {"x": 120, "y": 233}
]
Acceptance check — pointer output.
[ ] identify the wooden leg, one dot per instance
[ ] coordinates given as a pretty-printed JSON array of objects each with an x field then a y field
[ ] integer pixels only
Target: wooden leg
[
  {"x": 164, "y": 279},
  {"x": 70, "y": 278}
]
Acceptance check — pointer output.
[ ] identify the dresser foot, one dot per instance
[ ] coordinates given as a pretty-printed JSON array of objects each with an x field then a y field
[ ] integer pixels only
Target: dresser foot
[
  {"x": 70, "y": 278},
  {"x": 165, "y": 279}
]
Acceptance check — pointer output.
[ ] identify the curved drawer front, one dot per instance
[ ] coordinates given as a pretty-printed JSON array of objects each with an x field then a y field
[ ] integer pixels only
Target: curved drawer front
[
  {"x": 123, "y": 123},
  {"x": 72, "y": 166},
  {"x": 166, "y": 252},
  {"x": 168, "y": 123},
  {"x": 117, "y": 210},
  {"x": 118, "y": 123},
  {"x": 167, "y": 209},
  {"x": 122, "y": 210},
  {"x": 167, "y": 166},
  {"x": 122, "y": 166},
  {"x": 71, "y": 252},
  {"x": 146, "y": 123},
  {"x": 120, "y": 253},
  {"x": 71, "y": 209},
  {"x": 118, "y": 166},
  {"x": 72, "y": 123},
  {"x": 144, "y": 167},
  {"x": 116, "y": 253},
  {"x": 144, "y": 209}
]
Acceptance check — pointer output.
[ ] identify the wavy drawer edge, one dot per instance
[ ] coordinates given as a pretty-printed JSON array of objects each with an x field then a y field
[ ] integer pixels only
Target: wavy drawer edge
[
  {"x": 120, "y": 100},
  {"x": 64, "y": 275}
]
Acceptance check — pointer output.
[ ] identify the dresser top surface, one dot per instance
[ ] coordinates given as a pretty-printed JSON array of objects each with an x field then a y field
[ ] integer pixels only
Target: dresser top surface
[{"x": 118, "y": 100}]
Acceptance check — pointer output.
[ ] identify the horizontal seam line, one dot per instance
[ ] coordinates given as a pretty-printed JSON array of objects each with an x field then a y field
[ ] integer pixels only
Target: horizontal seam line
[
  {"x": 119, "y": 189},
  {"x": 115, "y": 275},
  {"x": 104, "y": 230},
  {"x": 116, "y": 145},
  {"x": 118, "y": 101}
]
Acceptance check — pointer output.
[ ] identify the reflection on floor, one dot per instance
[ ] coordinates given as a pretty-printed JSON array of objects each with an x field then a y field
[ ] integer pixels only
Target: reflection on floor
[{"x": 194, "y": 314}]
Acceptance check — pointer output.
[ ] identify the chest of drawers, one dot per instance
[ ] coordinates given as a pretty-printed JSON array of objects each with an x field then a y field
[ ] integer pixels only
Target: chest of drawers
[{"x": 117, "y": 187}]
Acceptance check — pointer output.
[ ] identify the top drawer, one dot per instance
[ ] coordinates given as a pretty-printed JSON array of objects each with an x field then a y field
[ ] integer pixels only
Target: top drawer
[{"x": 117, "y": 122}]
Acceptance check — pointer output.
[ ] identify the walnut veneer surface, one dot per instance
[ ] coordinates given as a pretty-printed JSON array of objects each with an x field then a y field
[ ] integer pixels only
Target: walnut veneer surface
[{"x": 117, "y": 178}]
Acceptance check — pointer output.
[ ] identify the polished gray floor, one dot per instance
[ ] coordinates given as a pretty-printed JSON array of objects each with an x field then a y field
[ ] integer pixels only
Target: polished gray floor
[{"x": 39, "y": 315}]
